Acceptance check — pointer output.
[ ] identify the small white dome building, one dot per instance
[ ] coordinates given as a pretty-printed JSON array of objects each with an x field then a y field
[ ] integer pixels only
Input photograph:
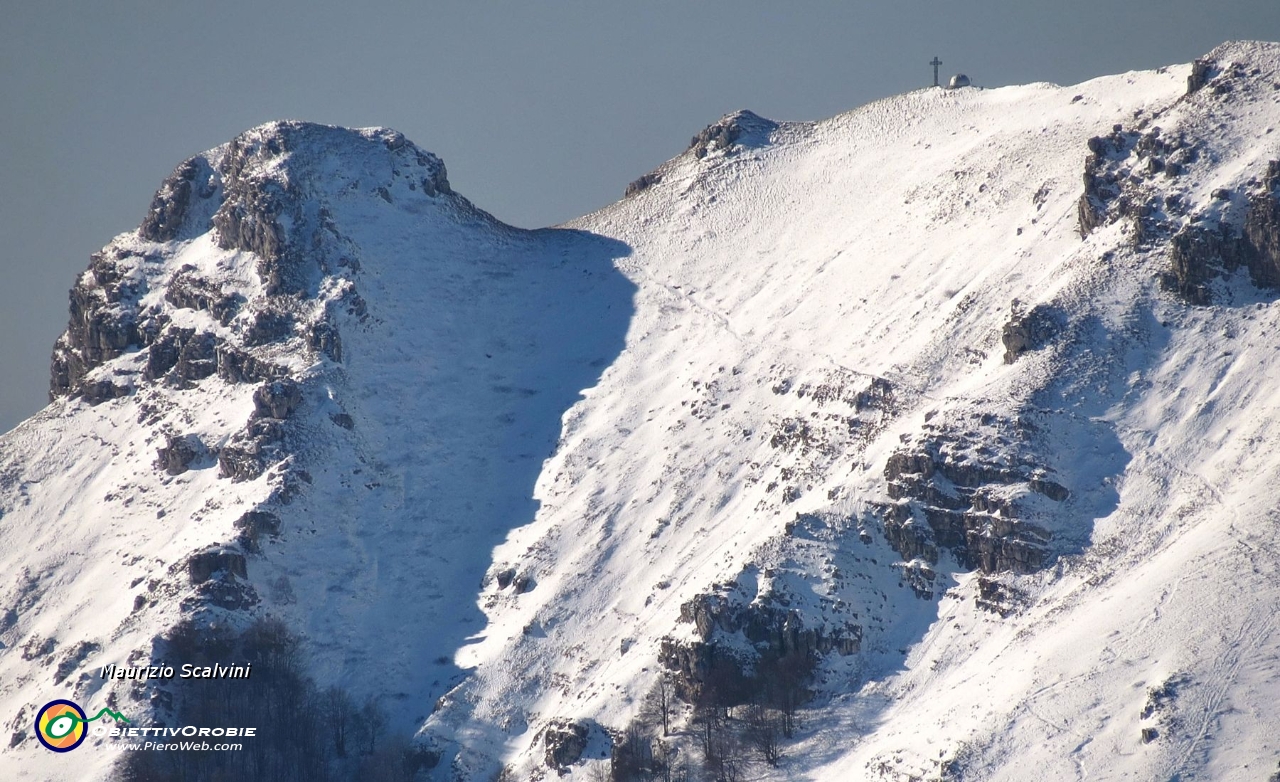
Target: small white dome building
[{"x": 958, "y": 81}]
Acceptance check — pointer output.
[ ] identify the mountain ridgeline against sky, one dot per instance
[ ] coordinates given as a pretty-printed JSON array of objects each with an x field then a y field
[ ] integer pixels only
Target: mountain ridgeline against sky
[{"x": 934, "y": 441}]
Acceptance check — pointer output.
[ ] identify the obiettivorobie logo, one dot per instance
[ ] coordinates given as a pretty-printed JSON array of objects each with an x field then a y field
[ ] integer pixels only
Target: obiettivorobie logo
[{"x": 62, "y": 726}]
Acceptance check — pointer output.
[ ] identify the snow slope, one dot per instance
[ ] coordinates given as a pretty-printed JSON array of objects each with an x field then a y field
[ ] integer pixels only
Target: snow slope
[{"x": 537, "y": 454}]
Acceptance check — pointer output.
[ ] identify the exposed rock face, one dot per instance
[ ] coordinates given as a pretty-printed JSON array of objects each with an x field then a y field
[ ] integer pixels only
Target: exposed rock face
[
  {"x": 565, "y": 741},
  {"x": 643, "y": 183},
  {"x": 257, "y": 198},
  {"x": 1213, "y": 246},
  {"x": 164, "y": 352},
  {"x": 1121, "y": 182},
  {"x": 998, "y": 597},
  {"x": 1201, "y": 72},
  {"x": 1262, "y": 229},
  {"x": 268, "y": 326},
  {"x": 1029, "y": 329},
  {"x": 172, "y": 202},
  {"x": 742, "y": 128},
  {"x": 277, "y": 398},
  {"x": 697, "y": 667},
  {"x": 955, "y": 491},
  {"x": 187, "y": 289},
  {"x": 198, "y": 358},
  {"x": 202, "y": 565},
  {"x": 242, "y": 461},
  {"x": 504, "y": 577},
  {"x": 324, "y": 338},
  {"x": 239, "y": 366},
  {"x": 246, "y": 203},
  {"x": 250, "y": 452},
  {"x": 258, "y": 202},
  {"x": 98, "y": 391},
  {"x": 104, "y": 320},
  {"x": 774, "y": 627},
  {"x": 227, "y": 592},
  {"x": 254, "y": 526},
  {"x": 920, "y": 577},
  {"x": 180, "y": 452},
  {"x": 344, "y": 420},
  {"x": 1197, "y": 255},
  {"x": 777, "y": 645},
  {"x": 1120, "y": 178},
  {"x": 251, "y": 212}
]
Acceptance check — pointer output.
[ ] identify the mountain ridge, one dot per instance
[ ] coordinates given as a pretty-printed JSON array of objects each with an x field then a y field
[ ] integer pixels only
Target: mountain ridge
[{"x": 806, "y": 391}]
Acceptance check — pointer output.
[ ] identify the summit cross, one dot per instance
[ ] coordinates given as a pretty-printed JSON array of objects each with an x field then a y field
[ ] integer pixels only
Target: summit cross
[{"x": 936, "y": 62}]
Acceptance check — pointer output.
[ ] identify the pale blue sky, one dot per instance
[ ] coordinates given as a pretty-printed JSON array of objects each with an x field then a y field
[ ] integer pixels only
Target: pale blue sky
[{"x": 541, "y": 110}]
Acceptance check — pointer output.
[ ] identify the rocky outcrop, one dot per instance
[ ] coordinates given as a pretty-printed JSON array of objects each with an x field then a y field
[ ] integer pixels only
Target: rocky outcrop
[
  {"x": 95, "y": 392},
  {"x": 103, "y": 323},
  {"x": 242, "y": 461},
  {"x": 254, "y": 207},
  {"x": 1120, "y": 174},
  {"x": 1196, "y": 256},
  {"x": 180, "y": 452},
  {"x": 323, "y": 338},
  {"x": 197, "y": 359},
  {"x": 643, "y": 183},
  {"x": 745, "y": 650},
  {"x": 999, "y": 597},
  {"x": 1122, "y": 182},
  {"x": 1029, "y": 329},
  {"x": 919, "y": 577},
  {"x": 254, "y": 526},
  {"x": 241, "y": 366},
  {"x": 267, "y": 326},
  {"x": 219, "y": 575},
  {"x": 1201, "y": 71},
  {"x": 170, "y": 207},
  {"x": 742, "y": 128},
  {"x": 74, "y": 658},
  {"x": 250, "y": 452},
  {"x": 187, "y": 289},
  {"x": 1212, "y": 246},
  {"x": 1262, "y": 229},
  {"x": 163, "y": 353},
  {"x": 342, "y": 419},
  {"x": 277, "y": 398},
  {"x": 951, "y": 493},
  {"x": 266, "y": 211},
  {"x": 227, "y": 592},
  {"x": 203, "y": 565},
  {"x": 773, "y": 627},
  {"x": 257, "y": 194},
  {"x": 564, "y": 742}
]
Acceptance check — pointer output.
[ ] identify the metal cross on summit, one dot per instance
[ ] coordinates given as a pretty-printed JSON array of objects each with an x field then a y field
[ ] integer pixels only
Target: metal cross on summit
[{"x": 936, "y": 62}]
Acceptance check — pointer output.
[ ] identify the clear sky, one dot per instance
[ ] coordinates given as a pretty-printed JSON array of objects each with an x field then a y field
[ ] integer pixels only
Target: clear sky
[{"x": 541, "y": 110}]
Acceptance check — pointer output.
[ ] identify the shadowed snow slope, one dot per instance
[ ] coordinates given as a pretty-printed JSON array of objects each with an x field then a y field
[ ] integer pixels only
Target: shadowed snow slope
[{"x": 894, "y": 391}]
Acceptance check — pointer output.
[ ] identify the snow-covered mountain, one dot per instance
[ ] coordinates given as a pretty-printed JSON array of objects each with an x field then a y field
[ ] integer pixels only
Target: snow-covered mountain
[{"x": 937, "y": 436}]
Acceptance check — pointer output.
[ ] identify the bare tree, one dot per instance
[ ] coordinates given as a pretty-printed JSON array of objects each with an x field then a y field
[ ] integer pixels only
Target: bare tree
[
  {"x": 665, "y": 759},
  {"x": 632, "y": 757},
  {"x": 338, "y": 711},
  {"x": 369, "y": 725},
  {"x": 599, "y": 772},
  {"x": 725, "y": 760},
  {"x": 785, "y": 679},
  {"x": 662, "y": 696},
  {"x": 763, "y": 732}
]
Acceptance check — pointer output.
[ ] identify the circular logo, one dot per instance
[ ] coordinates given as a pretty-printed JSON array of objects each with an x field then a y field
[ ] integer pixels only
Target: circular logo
[{"x": 60, "y": 726}]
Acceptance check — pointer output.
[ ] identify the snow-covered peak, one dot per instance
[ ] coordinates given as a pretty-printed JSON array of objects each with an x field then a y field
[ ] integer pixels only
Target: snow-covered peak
[{"x": 933, "y": 434}]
